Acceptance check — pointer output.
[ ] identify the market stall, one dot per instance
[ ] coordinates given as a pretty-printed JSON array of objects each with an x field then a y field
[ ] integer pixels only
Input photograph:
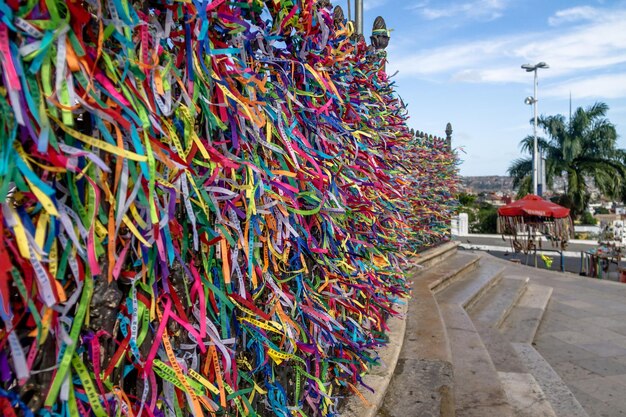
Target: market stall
[{"x": 527, "y": 221}]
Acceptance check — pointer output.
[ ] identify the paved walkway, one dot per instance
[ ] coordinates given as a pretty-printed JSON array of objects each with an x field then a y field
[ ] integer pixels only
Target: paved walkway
[
  {"x": 495, "y": 245},
  {"x": 583, "y": 337}
]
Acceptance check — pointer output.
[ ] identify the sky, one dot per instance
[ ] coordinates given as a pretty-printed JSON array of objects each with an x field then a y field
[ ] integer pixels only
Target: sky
[{"x": 459, "y": 62}]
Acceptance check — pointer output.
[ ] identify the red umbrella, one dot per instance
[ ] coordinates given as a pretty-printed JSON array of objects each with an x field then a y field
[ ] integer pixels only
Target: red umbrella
[
  {"x": 531, "y": 216},
  {"x": 533, "y": 205}
]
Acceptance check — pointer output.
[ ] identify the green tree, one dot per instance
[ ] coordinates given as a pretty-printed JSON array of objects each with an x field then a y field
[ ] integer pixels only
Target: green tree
[
  {"x": 580, "y": 148},
  {"x": 466, "y": 199},
  {"x": 587, "y": 218},
  {"x": 487, "y": 219}
]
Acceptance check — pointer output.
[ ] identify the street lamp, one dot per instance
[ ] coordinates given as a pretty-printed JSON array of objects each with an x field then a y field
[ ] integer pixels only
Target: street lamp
[
  {"x": 533, "y": 100},
  {"x": 358, "y": 16}
]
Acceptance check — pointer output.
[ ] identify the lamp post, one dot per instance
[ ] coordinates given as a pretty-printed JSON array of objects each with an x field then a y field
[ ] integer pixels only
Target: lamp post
[
  {"x": 358, "y": 16},
  {"x": 533, "y": 100}
]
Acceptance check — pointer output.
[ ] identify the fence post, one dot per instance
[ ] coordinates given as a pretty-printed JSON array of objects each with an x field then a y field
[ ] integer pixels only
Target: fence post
[{"x": 449, "y": 149}]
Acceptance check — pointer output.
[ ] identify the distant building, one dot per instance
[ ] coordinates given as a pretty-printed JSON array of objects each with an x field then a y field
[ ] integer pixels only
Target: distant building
[{"x": 497, "y": 198}]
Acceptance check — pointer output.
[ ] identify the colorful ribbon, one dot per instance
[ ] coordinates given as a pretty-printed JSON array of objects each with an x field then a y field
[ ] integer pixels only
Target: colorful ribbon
[{"x": 205, "y": 207}]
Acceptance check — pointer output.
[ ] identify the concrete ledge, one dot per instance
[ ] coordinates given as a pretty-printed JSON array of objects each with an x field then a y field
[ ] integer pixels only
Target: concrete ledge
[
  {"x": 494, "y": 248},
  {"x": 543, "y": 239}
]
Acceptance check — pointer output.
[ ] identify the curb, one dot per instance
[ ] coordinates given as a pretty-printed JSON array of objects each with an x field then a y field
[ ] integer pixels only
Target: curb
[
  {"x": 472, "y": 246},
  {"x": 543, "y": 239}
]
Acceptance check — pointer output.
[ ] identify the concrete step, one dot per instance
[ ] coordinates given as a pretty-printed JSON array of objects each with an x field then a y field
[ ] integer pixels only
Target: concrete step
[
  {"x": 522, "y": 323},
  {"x": 468, "y": 288},
  {"x": 422, "y": 380},
  {"x": 502, "y": 354},
  {"x": 379, "y": 378},
  {"x": 498, "y": 302},
  {"x": 477, "y": 388},
  {"x": 433, "y": 256},
  {"x": 445, "y": 273},
  {"x": 419, "y": 387},
  {"x": 561, "y": 399},
  {"x": 525, "y": 395},
  {"x": 417, "y": 358}
]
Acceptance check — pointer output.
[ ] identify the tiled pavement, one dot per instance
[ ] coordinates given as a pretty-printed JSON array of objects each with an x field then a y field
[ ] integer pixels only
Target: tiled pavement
[{"x": 583, "y": 337}]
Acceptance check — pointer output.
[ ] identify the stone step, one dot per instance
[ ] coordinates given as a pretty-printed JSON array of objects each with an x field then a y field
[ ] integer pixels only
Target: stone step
[
  {"x": 502, "y": 354},
  {"x": 436, "y": 255},
  {"x": 561, "y": 399},
  {"x": 422, "y": 380},
  {"x": 522, "y": 323},
  {"x": 498, "y": 302},
  {"x": 419, "y": 361},
  {"x": 379, "y": 378},
  {"x": 445, "y": 273},
  {"x": 525, "y": 395},
  {"x": 468, "y": 288},
  {"x": 477, "y": 388},
  {"x": 419, "y": 387}
]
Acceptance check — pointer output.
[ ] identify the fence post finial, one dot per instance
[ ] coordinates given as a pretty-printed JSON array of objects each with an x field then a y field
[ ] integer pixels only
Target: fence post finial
[
  {"x": 449, "y": 135},
  {"x": 380, "y": 34},
  {"x": 338, "y": 16}
]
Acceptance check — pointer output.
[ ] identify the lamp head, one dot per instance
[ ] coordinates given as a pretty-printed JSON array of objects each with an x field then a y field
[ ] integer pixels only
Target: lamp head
[
  {"x": 531, "y": 68},
  {"x": 529, "y": 100}
]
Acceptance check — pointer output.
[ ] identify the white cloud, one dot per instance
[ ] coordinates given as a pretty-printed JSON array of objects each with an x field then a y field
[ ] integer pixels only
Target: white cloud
[
  {"x": 373, "y": 4},
  {"x": 602, "y": 86},
  {"x": 467, "y": 60},
  {"x": 592, "y": 45},
  {"x": 574, "y": 14},
  {"x": 474, "y": 9},
  {"x": 579, "y": 49},
  {"x": 493, "y": 75}
]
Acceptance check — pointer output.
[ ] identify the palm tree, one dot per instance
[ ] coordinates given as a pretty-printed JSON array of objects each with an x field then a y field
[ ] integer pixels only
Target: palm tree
[{"x": 578, "y": 149}]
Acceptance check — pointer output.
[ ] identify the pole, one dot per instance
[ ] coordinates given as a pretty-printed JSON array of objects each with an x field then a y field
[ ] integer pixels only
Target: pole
[
  {"x": 358, "y": 16},
  {"x": 535, "y": 159}
]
